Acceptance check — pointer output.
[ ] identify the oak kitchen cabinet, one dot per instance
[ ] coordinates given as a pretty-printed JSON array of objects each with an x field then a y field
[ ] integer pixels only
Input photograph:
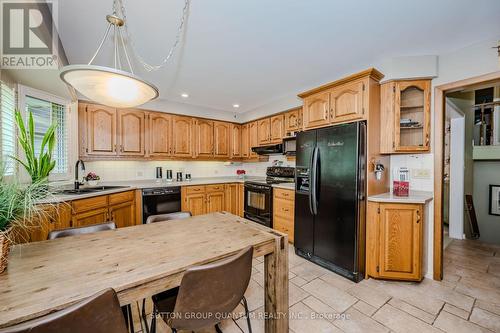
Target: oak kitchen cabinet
[
  {"x": 264, "y": 131},
  {"x": 236, "y": 138},
  {"x": 55, "y": 217},
  {"x": 182, "y": 136},
  {"x": 222, "y": 139},
  {"x": 97, "y": 124},
  {"x": 394, "y": 241},
  {"x": 234, "y": 198},
  {"x": 159, "y": 129},
  {"x": 277, "y": 126},
  {"x": 341, "y": 101},
  {"x": 253, "y": 137},
  {"x": 284, "y": 211},
  {"x": 245, "y": 141},
  {"x": 292, "y": 121},
  {"x": 203, "y": 199},
  {"x": 405, "y": 116},
  {"x": 204, "y": 138},
  {"x": 131, "y": 129}
]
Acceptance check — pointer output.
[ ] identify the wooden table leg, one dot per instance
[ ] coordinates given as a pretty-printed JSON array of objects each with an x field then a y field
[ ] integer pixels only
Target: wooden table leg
[{"x": 276, "y": 287}]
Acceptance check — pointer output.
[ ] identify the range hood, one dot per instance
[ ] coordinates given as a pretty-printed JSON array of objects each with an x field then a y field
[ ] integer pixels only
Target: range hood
[{"x": 268, "y": 150}]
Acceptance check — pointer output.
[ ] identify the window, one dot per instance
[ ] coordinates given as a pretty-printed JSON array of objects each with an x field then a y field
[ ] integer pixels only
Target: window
[
  {"x": 48, "y": 109},
  {"x": 7, "y": 128}
]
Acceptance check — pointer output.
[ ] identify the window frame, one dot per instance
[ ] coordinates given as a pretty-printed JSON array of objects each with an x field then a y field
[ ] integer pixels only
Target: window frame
[{"x": 22, "y": 92}]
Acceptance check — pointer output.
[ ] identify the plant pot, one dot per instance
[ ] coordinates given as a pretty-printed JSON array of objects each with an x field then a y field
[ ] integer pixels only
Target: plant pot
[
  {"x": 92, "y": 182},
  {"x": 4, "y": 249}
]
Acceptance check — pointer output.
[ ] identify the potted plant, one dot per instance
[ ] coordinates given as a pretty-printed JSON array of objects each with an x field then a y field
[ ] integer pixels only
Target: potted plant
[
  {"x": 38, "y": 167},
  {"x": 18, "y": 212}
]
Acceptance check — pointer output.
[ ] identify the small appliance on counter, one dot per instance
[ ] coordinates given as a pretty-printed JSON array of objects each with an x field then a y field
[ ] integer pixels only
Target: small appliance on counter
[
  {"x": 401, "y": 183},
  {"x": 159, "y": 172},
  {"x": 259, "y": 194},
  {"x": 188, "y": 176},
  {"x": 169, "y": 176},
  {"x": 179, "y": 177}
]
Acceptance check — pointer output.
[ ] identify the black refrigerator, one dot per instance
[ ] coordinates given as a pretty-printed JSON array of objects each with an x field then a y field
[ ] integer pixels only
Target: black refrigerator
[{"x": 330, "y": 198}]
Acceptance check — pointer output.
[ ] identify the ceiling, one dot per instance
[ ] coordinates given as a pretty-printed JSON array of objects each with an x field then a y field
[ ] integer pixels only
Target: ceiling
[{"x": 254, "y": 52}]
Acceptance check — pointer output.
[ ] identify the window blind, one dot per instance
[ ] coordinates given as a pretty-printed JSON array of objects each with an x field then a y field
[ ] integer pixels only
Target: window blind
[
  {"x": 44, "y": 114},
  {"x": 7, "y": 128}
]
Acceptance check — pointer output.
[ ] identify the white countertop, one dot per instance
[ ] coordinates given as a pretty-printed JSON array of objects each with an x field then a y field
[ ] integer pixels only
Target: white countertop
[
  {"x": 418, "y": 197},
  {"x": 153, "y": 183}
]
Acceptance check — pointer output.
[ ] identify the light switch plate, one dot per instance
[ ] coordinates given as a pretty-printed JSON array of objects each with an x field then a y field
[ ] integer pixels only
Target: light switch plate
[{"x": 421, "y": 173}]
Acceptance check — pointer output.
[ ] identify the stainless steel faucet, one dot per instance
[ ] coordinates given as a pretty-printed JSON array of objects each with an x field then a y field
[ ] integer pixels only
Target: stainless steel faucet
[{"x": 77, "y": 179}]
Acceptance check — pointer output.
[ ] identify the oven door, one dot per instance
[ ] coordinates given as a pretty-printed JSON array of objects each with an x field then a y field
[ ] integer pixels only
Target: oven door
[{"x": 258, "y": 203}]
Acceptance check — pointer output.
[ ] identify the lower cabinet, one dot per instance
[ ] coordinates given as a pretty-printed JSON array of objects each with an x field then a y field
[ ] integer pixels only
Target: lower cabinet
[
  {"x": 284, "y": 211},
  {"x": 53, "y": 218},
  {"x": 394, "y": 241},
  {"x": 206, "y": 199}
]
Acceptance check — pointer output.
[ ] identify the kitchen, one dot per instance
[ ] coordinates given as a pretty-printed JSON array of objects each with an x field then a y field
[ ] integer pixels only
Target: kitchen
[{"x": 331, "y": 186}]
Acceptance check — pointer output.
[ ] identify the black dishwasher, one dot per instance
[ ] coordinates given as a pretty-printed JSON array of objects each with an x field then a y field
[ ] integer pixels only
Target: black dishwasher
[{"x": 160, "y": 200}]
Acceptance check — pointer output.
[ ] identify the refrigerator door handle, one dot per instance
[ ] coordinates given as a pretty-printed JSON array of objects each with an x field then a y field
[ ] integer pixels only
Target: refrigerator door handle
[
  {"x": 314, "y": 181},
  {"x": 310, "y": 184}
]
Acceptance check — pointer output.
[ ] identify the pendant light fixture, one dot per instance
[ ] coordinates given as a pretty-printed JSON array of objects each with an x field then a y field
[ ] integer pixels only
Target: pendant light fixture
[{"x": 115, "y": 86}]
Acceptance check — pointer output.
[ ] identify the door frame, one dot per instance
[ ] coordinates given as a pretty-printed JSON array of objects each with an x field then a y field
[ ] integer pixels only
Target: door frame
[{"x": 439, "y": 114}]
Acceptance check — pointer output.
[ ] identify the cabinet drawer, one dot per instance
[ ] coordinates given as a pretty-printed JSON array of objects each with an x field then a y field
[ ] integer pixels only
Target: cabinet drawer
[
  {"x": 195, "y": 189},
  {"x": 121, "y": 197},
  {"x": 215, "y": 188},
  {"x": 284, "y": 225},
  {"x": 284, "y": 194},
  {"x": 84, "y": 205},
  {"x": 283, "y": 208}
]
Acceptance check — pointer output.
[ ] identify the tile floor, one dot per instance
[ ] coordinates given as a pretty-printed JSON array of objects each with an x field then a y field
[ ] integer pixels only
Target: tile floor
[{"x": 467, "y": 300}]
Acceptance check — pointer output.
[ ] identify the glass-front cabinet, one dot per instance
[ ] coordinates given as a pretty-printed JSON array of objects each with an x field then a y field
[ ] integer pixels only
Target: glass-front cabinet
[{"x": 405, "y": 118}]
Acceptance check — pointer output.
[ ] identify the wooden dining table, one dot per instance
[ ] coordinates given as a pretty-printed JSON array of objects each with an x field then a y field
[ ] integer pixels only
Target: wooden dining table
[{"x": 138, "y": 262}]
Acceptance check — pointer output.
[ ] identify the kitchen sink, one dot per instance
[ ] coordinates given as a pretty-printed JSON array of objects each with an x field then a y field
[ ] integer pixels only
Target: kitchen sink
[{"x": 85, "y": 190}]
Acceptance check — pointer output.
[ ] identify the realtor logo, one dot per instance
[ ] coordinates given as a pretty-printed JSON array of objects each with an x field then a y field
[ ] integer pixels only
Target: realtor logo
[{"x": 29, "y": 37}]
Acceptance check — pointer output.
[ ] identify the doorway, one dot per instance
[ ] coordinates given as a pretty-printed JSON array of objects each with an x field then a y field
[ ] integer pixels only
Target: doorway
[{"x": 448, "y": 192}]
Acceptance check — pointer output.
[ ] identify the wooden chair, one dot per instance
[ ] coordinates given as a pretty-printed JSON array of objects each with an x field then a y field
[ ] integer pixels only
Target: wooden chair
[
  {"x": 100, "y": 313},
  {"x": 212, "y": 290}
]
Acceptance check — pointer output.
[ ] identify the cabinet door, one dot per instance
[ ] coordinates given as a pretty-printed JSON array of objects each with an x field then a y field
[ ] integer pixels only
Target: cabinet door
[
  {"x": 54, "y": 218},
  {"x": 400, "y": 241},
  {"x": 101, "y": 130},
  {"x": 232, "y": 205},
  {"x": 412, "y": 102},
  {"x": 123, "y": 214},
  {"x": 241, "y": 199},
  {"x": 236, "y": 139},
  {"x": 277, "y": 128},
  {"x": 182, "y": 136},
  {"x": 222, "y": 138},
  {"x": 159, "y": 134},
  {"x": 204, "y": 138},
  {"x": 215, "y": 201},
  {"x": 291, "y": 122},
  {"x": 346, "y": 102},
  {"x": 91, "y": 217},
  {"x": 245, "y": 141},
  {"x": 195, "y": 203},
  {"x": 253, "y": 132},
  {"x": 316, "y": 110},
  {"x": 131, "y": 129},
  {"x": 264, "y": 131}
]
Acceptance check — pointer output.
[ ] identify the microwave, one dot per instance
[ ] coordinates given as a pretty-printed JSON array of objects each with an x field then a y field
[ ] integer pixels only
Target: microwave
[{"x": 289, "y": 146}]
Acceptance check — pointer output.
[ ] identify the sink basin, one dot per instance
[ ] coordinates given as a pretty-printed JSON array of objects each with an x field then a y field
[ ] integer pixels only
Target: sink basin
[{"x": 85, "y": 190}]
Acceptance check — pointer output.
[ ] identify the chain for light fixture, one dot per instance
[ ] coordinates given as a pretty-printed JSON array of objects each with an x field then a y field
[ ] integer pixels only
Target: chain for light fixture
[{"x": 119, "y": 8}]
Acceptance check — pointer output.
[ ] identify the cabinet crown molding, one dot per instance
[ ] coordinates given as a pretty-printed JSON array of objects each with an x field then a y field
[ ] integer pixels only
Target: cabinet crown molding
[{"x": 370, "y": 72}]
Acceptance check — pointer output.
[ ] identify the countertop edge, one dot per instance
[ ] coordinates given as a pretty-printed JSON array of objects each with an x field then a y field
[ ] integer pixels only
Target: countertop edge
[{"x": 418, "y": 197}]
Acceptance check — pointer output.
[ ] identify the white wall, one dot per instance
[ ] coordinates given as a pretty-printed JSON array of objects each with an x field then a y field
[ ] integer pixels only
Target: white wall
[{"x": 457, "y": 159}]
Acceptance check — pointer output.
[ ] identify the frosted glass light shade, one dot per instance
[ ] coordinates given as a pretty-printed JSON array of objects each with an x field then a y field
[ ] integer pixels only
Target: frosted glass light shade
[{"x": 109, "y": 86}]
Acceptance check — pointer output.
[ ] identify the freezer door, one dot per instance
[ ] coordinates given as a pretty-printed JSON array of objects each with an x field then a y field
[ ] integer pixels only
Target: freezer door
[{"x": 335, "y": 225}]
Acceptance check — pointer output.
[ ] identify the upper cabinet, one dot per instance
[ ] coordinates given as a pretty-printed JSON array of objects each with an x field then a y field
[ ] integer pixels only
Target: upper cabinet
[
  {"x": 131, "y": 128},
  {"x": 276, "y": 128},
  {"x": 293, "y": 121},
  {"x": 204, "y": 133},
  {"x": 222, "y": 139},
  {"x": 100, "y": 129},
  {"x": 264, "y": 131},
  {"x": 405, "y": 116},
  {"x": 182, "y": 136},
  {"x": 236, "y": 140},
  {"x": 253, "y": 133},
  {"x": 340, "y": 101},
  {"x": 245, "y": 141},
  {"x": 159, "y": 134}
]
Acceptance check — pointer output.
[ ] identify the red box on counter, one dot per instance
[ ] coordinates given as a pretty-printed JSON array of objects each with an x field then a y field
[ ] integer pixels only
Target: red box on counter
[{"x": 401, "y": 188}]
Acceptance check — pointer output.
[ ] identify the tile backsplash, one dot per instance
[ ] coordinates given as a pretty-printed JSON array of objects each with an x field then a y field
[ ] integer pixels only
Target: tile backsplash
[
  {"x": 140, "y": 170},
  {"x": 420, "y": 167}
]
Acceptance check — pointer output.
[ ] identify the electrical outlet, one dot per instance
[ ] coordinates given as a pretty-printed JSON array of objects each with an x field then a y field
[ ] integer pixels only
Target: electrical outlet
[{"x": 421, "y": 173}]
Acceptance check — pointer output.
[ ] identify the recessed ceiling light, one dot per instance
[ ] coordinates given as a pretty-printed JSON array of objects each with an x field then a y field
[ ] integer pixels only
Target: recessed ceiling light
[
  {"x": 236, "y": 106},
  {"x": 184, "y": 95}
]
